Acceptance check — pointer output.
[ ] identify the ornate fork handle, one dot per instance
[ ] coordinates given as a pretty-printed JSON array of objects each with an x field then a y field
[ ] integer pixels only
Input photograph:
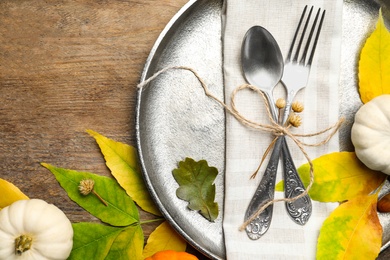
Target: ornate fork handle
[
  {"x": 295, "y": 77},
  {"x": 299, "y": 210},
  {"x": 263, "y": 194}
]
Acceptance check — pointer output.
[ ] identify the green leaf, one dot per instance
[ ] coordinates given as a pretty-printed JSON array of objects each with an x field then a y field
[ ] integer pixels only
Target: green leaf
[
  {"x": 352, "y": 231},
  {"x": 163, "y": 238},
  {"x": 338, "y": 177},
  {"x": 280, "y": 185},
  {"x": 128, "y": 244},
  {"x": 92, "y": 241},
  {"x": 122, "y": 160},
  {"x": 121, "y": 210},
  {"x": 196, "y": 186}
]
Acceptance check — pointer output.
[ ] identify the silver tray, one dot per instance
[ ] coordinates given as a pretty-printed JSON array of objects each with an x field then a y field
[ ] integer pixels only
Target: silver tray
[{"x": 174, "y": 119}]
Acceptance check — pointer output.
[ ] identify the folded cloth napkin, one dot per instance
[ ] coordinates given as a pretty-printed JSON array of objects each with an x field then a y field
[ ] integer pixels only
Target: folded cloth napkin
[{"x": 245, "y": 146}]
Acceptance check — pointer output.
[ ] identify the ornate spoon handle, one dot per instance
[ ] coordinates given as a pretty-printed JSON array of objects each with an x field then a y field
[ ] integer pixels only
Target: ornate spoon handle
[
  {"x": 263, "y": 194},
  {"x": 300, "y": 209}
]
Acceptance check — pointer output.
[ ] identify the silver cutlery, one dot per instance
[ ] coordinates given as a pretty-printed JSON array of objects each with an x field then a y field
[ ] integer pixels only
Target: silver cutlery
[
  {"x": 262, "y": 64},
  {"x": 295, "y": 77},
  {"x": 300, "y": 209},
  {"x": 264, "y": 193}
]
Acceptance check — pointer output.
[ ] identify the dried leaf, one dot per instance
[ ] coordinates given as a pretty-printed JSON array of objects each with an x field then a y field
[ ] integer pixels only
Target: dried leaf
[
  {"x": 92, "y": 241},
  {"x": 122, "y": 160},
  {"x": 9, "y": 194},
  {"x": 340, "y": 176},
  {"x": 196, "y": 186},
  {"x": 384, "y": 204},
  {"x": 352, "y": 231},
  {"x": 121, "y": 210},
  {"x": 374, "y": 64},
  {"x": 128, "y": 244},
  {"x": 164, "y": 237}
]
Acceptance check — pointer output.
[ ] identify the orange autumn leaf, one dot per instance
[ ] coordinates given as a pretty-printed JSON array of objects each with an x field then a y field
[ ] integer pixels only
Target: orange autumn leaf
[
  {"x": 374, "y": 64},
  {"x": 352, "y": 231},
  {"x": 164, "y": 238},
  {"x": 9, "y": 194}
]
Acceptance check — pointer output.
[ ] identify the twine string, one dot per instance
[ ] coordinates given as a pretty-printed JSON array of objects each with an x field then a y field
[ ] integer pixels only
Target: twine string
[{"x": 273, "y": 127}]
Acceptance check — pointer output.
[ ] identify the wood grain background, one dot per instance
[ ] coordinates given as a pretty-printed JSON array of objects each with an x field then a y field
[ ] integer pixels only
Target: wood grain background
[{"x": 68, "y": 66}]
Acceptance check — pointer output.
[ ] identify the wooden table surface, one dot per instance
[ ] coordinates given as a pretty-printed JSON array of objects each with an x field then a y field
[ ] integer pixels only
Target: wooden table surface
[{"x": 68, "y": 66}]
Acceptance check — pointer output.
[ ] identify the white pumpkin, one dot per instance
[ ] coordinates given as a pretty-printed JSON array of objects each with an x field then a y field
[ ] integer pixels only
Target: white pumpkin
[
  {"x": 371, "y": 134},
  {"x": 34, "y": 229}
]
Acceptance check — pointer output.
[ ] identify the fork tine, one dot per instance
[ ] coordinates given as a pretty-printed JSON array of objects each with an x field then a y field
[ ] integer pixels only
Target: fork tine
[
  {"x": 316, "y": 39},
  {"x": 302, "y": 35},
  {"x": 296, "y": 34},
  {"x": 303, "y": 58}
]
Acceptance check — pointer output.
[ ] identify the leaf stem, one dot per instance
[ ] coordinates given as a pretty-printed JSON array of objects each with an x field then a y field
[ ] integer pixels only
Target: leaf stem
[{"x": 151, "y": 221}]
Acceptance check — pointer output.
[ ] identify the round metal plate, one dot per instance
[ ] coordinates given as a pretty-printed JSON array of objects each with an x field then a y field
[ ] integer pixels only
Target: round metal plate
[{"x": 176, "y": 120}]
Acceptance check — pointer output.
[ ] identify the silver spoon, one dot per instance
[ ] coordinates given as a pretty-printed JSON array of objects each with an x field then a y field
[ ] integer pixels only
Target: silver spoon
[{"x": 262, "y": 64}]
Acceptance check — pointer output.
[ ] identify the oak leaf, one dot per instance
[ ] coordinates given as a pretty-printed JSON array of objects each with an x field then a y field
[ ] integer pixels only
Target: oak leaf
[{"x": 196, "y": 186}]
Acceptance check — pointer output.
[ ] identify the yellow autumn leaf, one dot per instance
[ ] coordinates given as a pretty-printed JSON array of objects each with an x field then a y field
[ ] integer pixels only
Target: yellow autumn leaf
[
  {"x": 374, "y": 64},
  {"x": 9, "y": 194},
  {"x": 340, "y": 176},
  {"x": 164, "y": 237},
  {"x": 122, "y": 160},
  {"x": 352, "y": 231}
]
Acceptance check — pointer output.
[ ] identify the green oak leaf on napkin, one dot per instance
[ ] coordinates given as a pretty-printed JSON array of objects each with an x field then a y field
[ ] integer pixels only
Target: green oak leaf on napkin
[
  {"x": 121, "y": 209},
  {"x": 196, "y": 186},
  {"x": 122, "y": 160}
]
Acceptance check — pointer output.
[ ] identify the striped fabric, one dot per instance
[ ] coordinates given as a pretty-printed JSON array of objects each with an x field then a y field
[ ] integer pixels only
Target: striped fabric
[{"x": 245, "y": 146}]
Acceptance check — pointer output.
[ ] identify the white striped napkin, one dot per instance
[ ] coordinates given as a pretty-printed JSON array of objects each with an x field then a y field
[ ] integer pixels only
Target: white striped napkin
[{"x": 244, "y": 146}]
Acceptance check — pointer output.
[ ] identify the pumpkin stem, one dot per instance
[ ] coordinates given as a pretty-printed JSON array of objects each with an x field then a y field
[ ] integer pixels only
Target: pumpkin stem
[{"x": 22, "y": 244}]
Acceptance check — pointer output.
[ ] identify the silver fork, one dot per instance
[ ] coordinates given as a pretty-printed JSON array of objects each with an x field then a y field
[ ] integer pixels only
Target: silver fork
[
  {"x": 299, "y": 210},
  {"x": 295, "y": 78}
]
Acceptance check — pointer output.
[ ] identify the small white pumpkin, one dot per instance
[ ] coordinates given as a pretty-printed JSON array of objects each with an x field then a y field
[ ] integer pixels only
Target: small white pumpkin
[
  {"x": 371, "y": 134},
  {"x": 34, "y": 229}
]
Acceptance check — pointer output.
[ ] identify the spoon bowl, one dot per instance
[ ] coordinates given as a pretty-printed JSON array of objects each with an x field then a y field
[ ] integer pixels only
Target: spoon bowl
[{"x": 262, "y": 62}]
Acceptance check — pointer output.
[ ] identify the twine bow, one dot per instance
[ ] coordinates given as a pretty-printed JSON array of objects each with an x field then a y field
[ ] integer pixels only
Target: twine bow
[{"x": 274, "y": 128}]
